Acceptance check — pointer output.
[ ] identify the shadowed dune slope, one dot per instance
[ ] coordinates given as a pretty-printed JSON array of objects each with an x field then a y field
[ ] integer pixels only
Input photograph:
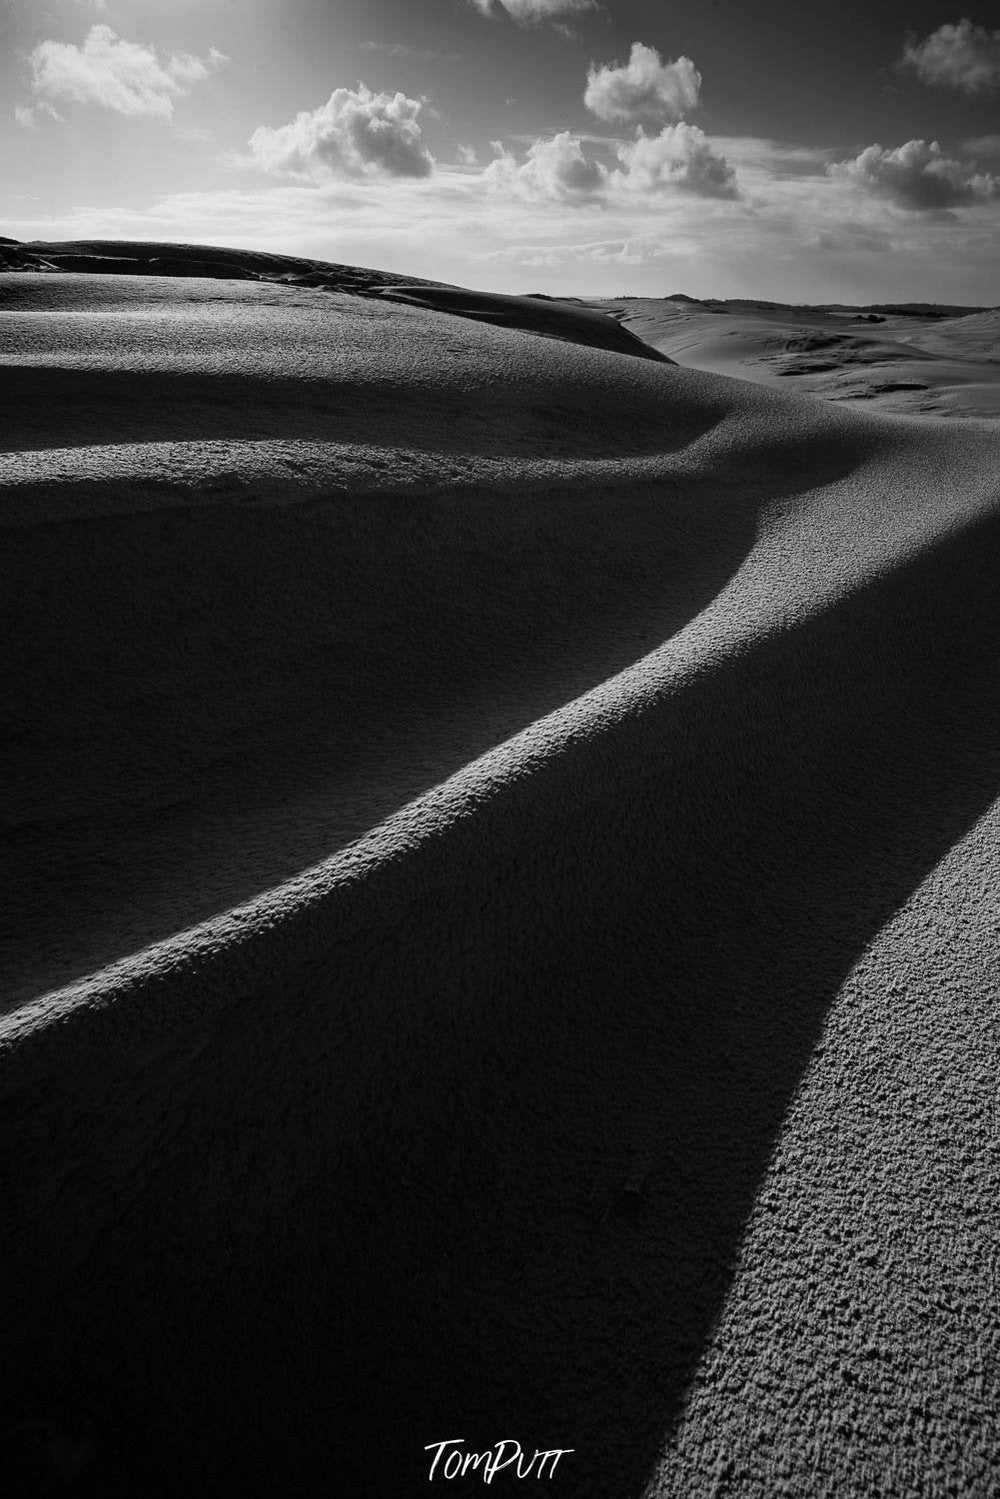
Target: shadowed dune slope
[
  {"x": 552, "y": 318},
  {"x": 501, "y": 858}
]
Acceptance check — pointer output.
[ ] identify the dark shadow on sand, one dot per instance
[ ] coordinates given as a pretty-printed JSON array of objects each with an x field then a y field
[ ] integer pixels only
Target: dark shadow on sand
[
  {"x": 380, "y": 1203},
  {"x": 665, "y": 1010},
  {"x": 49, "y": 407},
  {"x": 206, "y": 701}
]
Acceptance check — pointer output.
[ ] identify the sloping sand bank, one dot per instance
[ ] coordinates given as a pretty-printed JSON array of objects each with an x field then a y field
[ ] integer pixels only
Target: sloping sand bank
[
  {"x": 502, "y": 908},
  {"x": 551, "y": 319}
]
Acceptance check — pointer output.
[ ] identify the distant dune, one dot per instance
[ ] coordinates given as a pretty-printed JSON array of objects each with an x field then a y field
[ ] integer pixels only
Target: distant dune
[
  {"x": 912, "y": 359},
  {"x": 501, "y": 898}
]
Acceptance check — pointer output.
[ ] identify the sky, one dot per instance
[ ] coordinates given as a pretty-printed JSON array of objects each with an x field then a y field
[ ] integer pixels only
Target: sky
[{"x": 806, "y": 152}]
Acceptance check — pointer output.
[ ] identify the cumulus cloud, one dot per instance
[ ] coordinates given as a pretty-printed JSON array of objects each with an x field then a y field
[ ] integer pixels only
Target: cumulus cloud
[
  {"x": 680, "y": 157},
  {"x": 785, "y": 241},
  {"x": 356, "y": 133},
  {"x": 644, "y": 88},
  {"x": 916, "y": 176},
  {"x": 554, "y": 169},
  {"x": 531, "y": 12},
  {"x": 126, "y": 77},
  {"x": 964, "y": 57}
]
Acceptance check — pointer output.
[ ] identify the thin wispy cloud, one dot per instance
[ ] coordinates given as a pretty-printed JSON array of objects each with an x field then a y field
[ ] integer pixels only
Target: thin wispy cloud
[
  {"x": 126, "y": 77},
  {"x": 917, "y": 176},
  {"x": 644, "y": 88},
  {"x": 532, "y": 12},
  {"x": 356, "y": 133},
  {"x": 963, "y": 56},
  {"x": 411, "y": 54},
  {"x": 849, "y": 237},
  {"x": 28, "y": 115},
  {"x": 983, "y": 147}
]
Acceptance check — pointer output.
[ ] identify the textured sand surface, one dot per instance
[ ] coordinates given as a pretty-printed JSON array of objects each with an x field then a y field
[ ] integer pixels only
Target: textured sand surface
[
  {"x": 918, "y": 361},
  {"x": 500, "y": 922},
  {"x": 552, "y": 319}
]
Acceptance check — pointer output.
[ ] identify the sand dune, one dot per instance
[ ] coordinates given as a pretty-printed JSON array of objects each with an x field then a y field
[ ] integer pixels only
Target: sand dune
[
  {"x": 501, "y": 920},
  {"x": 552, "y": 319},
  {"x": 920, "y": 361}
]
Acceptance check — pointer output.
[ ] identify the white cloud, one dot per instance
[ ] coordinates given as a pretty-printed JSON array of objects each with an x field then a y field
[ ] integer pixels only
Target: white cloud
[
  {"x": 916, "y": 176},
  {"x": 964, "y": 57},
  {"x": 786, "y": 239},
  {"x": 531, "y": 12},
  {"x": 554, "y": 169},
  {"x": 27, "y": 115},
  {"x": 356, "y": 133},
  {"x": 644, "y": 88},
  {"x": 680, "y": 157},
  {"x": 126, "y": 77}
]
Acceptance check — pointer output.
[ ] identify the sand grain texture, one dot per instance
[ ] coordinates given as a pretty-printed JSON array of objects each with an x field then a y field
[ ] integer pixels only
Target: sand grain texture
[{"x": 462, "y": 775}]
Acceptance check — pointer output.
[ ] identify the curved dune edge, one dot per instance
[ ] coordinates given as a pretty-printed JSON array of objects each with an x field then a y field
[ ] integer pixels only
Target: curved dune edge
[
  {"x": 332, "y": 1017},
  {"x": 616, "y": 706},
  {"x": 244, "y": 934},
  {"x": 543, "y": 1107},
  {"x": 547, "y": 318},
  {"x": 550, "y": 318},
  {"x": 262, "y": 487}
]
